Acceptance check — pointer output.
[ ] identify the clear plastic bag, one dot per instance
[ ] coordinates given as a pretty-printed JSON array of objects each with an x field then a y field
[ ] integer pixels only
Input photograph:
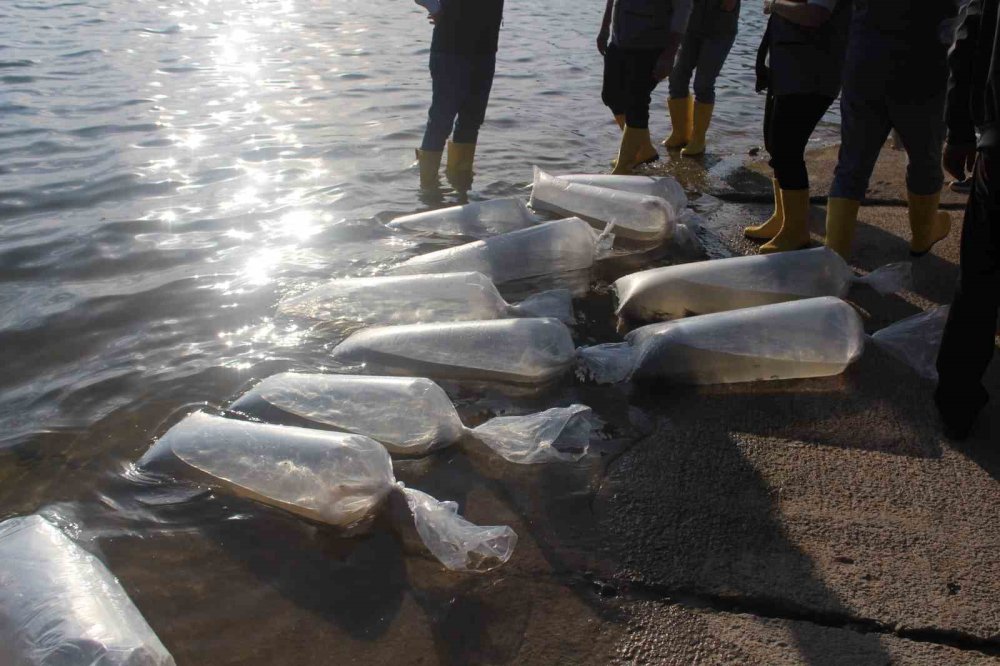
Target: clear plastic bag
[
  {"x": 634, "y": 216},
  {"x": 816, "y": 337},
  {"x": 719, "y": 285},
  {"x": 522, "y": 351},
  {"x": 414, "y": 416},
  {"x": 415, "y": 299},
  {"x": 916, "y": 340},
  {"x": 335, "y": 478},
  {"x": 655, "y": 186},
  {"x": 480, "y": 219},
  {"x": 560, "y": 246},
  {"x": 60, "y": 605}
]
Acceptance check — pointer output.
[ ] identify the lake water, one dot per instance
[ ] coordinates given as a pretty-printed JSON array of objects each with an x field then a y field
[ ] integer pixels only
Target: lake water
[{"x": 168, "y": 172}]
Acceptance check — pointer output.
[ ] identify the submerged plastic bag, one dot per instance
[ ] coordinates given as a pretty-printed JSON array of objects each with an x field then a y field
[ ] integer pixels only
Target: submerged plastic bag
[
  {"x": 475, "y": 220},
  {"x": 560, "y": 246},
  {"x": 916, "y": 340},
  {"x": 60, "y": 605},
  {"x": 816, "y": 337},
  {"x": 719, "y": 285},
  {"x": 634, "y": 216},
  {"x": 414, "y": 415},
  {"x": 524, "y": 351},
  {"x": 336, "y": 478},
  {"x": 414, "y": 299},
  {"x": 655, "y": 186}
]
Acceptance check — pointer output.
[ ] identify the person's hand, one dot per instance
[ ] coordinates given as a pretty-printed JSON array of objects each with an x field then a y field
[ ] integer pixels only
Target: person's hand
[
  {"x": 959, "y": 159},
  {"x": 602, "y": 40},
  {"x": 768, "y": 6},
  {"x": 728, "y": 5},
  {"x": 664, "y": 65},
  {"x": 433, "y": 18}
]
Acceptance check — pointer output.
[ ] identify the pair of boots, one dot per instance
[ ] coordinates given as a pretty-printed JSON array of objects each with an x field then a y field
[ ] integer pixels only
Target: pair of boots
[
  {"x": 689, "y": 121},
  {"x": 458, "y": 170},
  {"x": 788, "y": 228},
  {"x": 928, "y": 225}
]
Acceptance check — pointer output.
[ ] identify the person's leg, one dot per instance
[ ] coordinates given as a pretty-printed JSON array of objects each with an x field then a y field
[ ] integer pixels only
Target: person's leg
[
  {"x": 921, "y": 128},
  {"x": 636, "y": 147},
  {"x": 769, "y": 228},
  {"x": 711, "y": 59},
  {"x": 471, "y": 115},
  {"x": 613, "y": 84},
  {"x": 794, "y": 120},
  {"x": 967, "y": 346},
  {"x": 864, "y": 127},
  {"x": 445, "y": 100},
  {"x": 679, "y": 104}
]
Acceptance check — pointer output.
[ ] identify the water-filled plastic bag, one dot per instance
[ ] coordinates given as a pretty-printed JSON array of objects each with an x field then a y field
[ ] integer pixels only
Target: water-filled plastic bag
[
  {"x": 719, "y": 285},
  {"x": 634, "y": 216},
  {"x": 60, "y": 606},
  {"x": 415, "y": 299},
  {"x": 524, "y": 351},
  {"x": 480, "y": 219},
  {"x": 552, "y": 248},
  {"x": 664, "y": 187},
  {"x": 336, "y": 478},
  {"x": 815, "y": 337},
  {"x": 414, "y": 416}
]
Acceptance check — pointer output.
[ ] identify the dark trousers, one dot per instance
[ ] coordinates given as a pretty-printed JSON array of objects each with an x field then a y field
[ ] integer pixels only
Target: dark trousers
[
  {"x": 461, "y": 92},
  {"x": 789, "y": 121},
  {"x": 968, "y": 343},
  {"x": 629, "y": 83}
]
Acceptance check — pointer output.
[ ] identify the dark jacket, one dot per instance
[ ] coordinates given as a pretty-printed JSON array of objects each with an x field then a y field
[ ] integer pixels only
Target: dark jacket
[
  {"x": 708, "y": 19},
  {"x": 808, "y": 60},
  {"x": 647, "y": 24},
  {"x": 468, "y": 27},
  {"x": 973, "y": 99}
]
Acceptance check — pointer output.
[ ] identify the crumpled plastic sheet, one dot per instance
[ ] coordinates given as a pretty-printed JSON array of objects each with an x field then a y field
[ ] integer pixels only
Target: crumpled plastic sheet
[
  {"x": 552, "y": 248},
  {"x": 815, "y": 337},
  {"x": 336, "y": 478},
  {"x": 479, "y": 219},
  {"x": 414, "y": 299},
  {"x": 59, "y": 605},
  {"x": 634, "y": 216},
  {"x": 520, "y": 351},
  {"x": 916, "y": 340},
  {"x": 720, "y": 285},
  {"x": 664, "y": 187},
  {"x": 414, "y": 416}
]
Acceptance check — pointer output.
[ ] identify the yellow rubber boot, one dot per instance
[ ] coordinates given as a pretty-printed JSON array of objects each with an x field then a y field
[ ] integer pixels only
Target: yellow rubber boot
[
  {"x": 633, "y": 140},
  {"x": 459, "y": 167},
  {"x": 702, "y": 119},
  {"x": 794, "y": 234},
  {"x": 927, "y": 224},
  {"x": 772, "y": 226},
  {"x": 680, "y": 122},
  {"x": 841, "y": 220},
  {"x": 430, "y": 164},
  {"x": 620, "y": 120}
]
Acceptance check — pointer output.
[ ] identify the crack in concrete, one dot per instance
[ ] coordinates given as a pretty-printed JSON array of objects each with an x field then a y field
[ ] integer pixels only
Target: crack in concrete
[{"x": 781, "y": 609}]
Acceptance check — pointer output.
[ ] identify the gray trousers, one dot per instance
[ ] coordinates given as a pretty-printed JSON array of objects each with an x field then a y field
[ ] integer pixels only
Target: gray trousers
[
  {"x": 702, "y": 57},
  {"x": 865, "y": 126}
]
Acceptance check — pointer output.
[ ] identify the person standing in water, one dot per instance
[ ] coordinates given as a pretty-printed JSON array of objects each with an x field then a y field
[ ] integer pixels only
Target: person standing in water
[
  {"x": 462, "y": 64},
  {"x": 805, "y": 43},
  {"x": 709, "y": 38},
  {"x": 895, "y": 77},
  {"x": 639, "y": 41},
  {"x": 968, "y": 347}
]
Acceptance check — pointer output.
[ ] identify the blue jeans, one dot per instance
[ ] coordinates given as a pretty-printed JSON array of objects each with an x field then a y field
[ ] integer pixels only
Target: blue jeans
[
  {"x": 702, "y": 57},
  {"x": 865, "y": 124},
  {"x": 461, "y": 86}
]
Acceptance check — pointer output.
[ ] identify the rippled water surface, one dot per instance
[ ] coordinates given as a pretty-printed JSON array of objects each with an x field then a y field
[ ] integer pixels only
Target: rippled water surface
[{"x": 170, "y": 170}]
